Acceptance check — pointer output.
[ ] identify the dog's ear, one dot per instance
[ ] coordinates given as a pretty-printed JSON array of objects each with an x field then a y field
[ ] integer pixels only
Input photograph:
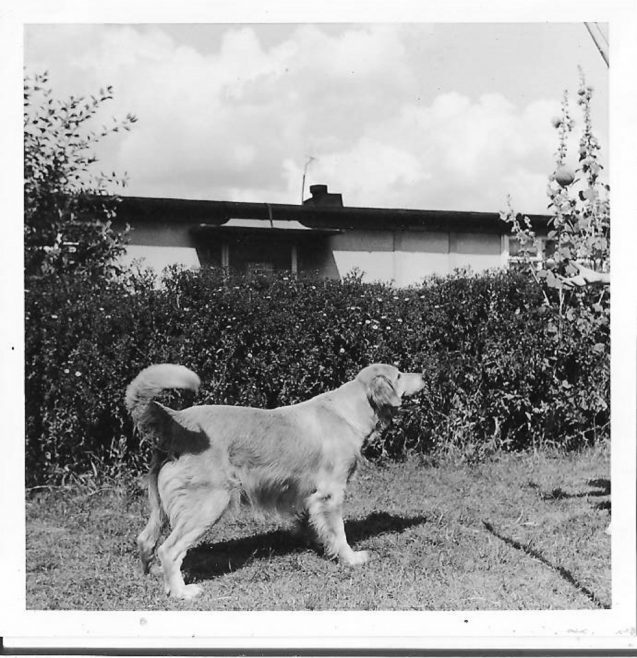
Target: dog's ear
[{"x": 381, "y": 394}]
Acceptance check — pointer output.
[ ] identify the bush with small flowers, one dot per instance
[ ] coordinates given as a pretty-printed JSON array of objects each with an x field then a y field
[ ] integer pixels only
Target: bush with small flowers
[{"x": 497, "y": 379}]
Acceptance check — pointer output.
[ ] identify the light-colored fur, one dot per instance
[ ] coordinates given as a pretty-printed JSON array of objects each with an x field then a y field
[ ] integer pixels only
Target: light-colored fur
[{"x": 294, "y": 460}]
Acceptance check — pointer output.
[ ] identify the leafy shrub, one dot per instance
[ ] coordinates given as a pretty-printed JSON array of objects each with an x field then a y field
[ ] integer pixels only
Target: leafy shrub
[
  {"x": 503, "y": 370},
  {"x": 68, "y": 206}
]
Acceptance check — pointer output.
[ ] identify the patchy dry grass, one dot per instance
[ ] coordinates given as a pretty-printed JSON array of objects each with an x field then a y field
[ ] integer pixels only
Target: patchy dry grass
[{"x": 520, "y": 532}]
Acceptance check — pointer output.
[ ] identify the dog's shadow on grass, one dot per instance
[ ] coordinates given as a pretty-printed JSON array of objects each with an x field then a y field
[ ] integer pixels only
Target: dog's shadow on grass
[{"x": 209, "y": 560}]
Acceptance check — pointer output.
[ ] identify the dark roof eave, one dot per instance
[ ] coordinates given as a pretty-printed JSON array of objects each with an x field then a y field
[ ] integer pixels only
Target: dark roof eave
[
  {"x": 266, "y": 229},
  {"x": 312, "y": 216}
]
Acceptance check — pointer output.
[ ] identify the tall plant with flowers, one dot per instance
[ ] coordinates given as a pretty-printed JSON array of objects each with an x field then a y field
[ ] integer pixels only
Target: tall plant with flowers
[
  {"x": 579, "y": 229},
  {"x": 579, "y": 232}
]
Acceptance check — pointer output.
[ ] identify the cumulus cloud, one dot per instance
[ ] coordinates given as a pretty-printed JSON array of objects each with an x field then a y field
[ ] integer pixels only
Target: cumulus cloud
[{"x": 239, "y": 120}]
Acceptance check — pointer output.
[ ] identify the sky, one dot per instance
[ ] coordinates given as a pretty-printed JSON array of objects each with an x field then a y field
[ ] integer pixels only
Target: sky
[{"x": 405, "y": 115}]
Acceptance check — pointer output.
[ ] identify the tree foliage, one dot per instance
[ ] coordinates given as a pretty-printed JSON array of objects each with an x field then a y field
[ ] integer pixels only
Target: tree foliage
[{"x": 68, "y": 206}]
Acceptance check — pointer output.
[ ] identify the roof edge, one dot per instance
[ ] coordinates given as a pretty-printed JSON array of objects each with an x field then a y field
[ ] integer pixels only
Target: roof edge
[{"x": 315, "y": 216}]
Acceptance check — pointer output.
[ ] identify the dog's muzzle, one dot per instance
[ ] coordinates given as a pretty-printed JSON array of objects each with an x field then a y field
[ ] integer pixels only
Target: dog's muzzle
[{"x": 413, "y": 382}]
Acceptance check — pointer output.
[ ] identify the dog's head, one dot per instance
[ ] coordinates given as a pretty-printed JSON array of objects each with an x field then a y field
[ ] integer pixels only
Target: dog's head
[{"x": 385, "y": 386}]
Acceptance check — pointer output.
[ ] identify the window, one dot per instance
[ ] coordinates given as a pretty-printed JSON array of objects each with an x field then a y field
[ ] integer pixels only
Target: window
[
  {"x": 263, "y": 267},
  {"x": 537, "y": 251}
]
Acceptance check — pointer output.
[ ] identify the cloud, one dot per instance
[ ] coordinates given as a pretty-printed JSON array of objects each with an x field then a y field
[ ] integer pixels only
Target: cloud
[
  {"x": 239, "y": 120},
  {"x": 451, "y": 154}
]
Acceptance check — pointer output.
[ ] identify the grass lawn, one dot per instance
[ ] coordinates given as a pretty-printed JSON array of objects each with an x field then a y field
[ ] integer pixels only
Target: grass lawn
[{"x": 520, "y": 532}]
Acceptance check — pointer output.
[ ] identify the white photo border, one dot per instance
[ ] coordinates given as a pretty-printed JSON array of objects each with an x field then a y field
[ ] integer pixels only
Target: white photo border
[{"x": 478, "y": 630}]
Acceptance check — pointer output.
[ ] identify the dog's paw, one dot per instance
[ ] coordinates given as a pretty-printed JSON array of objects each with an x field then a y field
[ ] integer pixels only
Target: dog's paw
[
  {"x": 155, "y": 569},
  {"x": 356, "y": 557},
  {"x": 187, "y": 592}
]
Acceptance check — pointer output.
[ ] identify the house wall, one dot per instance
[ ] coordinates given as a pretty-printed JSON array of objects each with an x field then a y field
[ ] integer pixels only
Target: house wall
[
  {"x": 159, "y": 245},
  {"x": 162, "y": 234},
  {"x": 404, "y": 257},
  {"x": 372, "y": 252},
  {"x": 479, "y": 251},
  {"x": 160, "y": 257}
]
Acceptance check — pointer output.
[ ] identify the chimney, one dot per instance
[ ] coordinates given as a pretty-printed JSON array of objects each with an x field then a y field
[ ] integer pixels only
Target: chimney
[{"x": 321, "y": 197}]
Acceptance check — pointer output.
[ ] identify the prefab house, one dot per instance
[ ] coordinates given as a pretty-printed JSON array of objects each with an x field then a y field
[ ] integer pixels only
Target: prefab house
[{"x": 321, "y": 235}]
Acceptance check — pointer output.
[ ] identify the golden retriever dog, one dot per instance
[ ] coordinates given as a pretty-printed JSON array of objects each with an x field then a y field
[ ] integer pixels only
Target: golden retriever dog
[{"x": 294, "y": 460}]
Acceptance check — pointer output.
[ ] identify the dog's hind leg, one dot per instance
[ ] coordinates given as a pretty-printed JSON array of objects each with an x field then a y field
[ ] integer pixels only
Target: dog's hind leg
[
  {"x": 192, "y": 513},
  {"x": 149, "y": 536},
  {"x": 326, "y": 517},
  {"x": 301, "y": 527}
]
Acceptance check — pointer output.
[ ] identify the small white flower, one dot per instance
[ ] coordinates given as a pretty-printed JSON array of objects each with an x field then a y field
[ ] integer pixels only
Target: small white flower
[
  {"x": 78, "y": 373},
  {"x": 342, "y": 350},
  {"x": 66, "y": 371}
]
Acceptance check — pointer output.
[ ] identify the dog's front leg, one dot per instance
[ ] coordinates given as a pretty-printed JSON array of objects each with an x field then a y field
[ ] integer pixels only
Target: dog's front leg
[{"x": 326, "y": 517}]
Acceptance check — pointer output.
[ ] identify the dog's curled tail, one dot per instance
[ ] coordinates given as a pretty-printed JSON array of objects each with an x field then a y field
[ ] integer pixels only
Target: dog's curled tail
[{"x": 150, "y": 383}]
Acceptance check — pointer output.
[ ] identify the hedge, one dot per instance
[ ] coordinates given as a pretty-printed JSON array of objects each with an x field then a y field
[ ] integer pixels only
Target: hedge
[{"x": 504, "y": 370}]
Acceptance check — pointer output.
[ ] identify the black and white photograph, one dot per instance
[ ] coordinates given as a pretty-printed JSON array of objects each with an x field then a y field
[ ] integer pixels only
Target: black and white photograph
[{"x": 310, "y": 317}]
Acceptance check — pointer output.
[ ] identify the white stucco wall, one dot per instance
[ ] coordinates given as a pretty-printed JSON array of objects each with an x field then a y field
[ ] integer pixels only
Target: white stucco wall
[
  {"x": 371, "y": 252},
  {"x": 407, "y": 257},
  {"x": 158, "y": 258},
  {"x": 419, "y": 255},
  {"x": 479, "y": 251}
]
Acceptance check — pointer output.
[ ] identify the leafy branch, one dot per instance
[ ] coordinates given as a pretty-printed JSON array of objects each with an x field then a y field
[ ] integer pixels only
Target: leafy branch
[{"x": 68, "y": 206}]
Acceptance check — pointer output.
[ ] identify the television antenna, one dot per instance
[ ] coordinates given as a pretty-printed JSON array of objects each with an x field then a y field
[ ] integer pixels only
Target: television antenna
[{"x": 308, "y": 162}]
